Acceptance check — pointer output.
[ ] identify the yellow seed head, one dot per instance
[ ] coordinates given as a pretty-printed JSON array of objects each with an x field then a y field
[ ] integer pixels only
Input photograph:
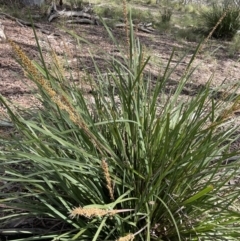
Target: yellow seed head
[
  {"x": 128, "y": 237},
  {"x": 58, "y": 98},
  {"x": 31, "y": 70},
  {"x": 108, "y": 178},
  {"x": 91, "y": 212}
]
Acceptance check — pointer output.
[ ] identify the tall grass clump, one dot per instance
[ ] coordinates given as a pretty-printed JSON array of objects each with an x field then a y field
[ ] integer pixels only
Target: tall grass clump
[
  {"x": 166, "y": 15},
  {"x": 133, "y": 162},
  {"x": 230, "y": 22},
  {"x": 166, "y": 12}
]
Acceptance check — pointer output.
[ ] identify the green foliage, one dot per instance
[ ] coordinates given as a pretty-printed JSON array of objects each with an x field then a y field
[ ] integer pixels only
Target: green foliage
[
  {"x": 139, "y": 15},
  {"x": 110, "y": 11},
  {"x": 115, "y": 12},
  {"x": 193, "y": 8},
  {"x": 234, "y": 47},
  {"x": 11, "y": 7},
  {"x": 189, "y": 34},
  {"x": 164, "y": 157},
  {"x": 166, "y": 15},
  {"x": 189, "y": 8},
  {"x": 228, "y": 26}
]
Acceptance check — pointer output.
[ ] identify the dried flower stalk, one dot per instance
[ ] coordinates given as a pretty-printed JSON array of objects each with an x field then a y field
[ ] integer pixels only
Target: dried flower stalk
[
  {"x": 59, "y": 99},
  {"x": 57, "y": 62},
  {"x": 215, "y": 27},
  {"x": 227, "y": 113},
  {"x": 91, "y": 212},
  {"x": 207, "y": 38},
  {"x": 108, "y": 178},
  {"x": 95, "y": 212}
]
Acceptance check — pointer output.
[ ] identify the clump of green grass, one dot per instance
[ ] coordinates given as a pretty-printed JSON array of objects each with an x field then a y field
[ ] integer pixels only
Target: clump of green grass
[
  {"x": 115, "y": 12},
  {"x": 135, "y": 162},
  {"x": 166, "y": 15},
  {"x": 188, "y": 8},
  {"x": 164, "y": 27},
  {"x": 142, "y": 16},
  {"x": 229, "y": 25},
  {"x": 186, "y": 27},
  {"x": 189, "y": 34},
  {"x": 111, "y": 11}
]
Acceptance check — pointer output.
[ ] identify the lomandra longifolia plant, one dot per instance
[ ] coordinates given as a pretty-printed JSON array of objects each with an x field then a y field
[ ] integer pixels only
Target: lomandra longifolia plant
[{"x": 133, "y": 162}]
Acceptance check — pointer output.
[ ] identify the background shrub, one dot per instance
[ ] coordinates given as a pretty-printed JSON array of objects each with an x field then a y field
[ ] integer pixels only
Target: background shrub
[
  {"x": 166, "y": 15},
  {"x": 229, "y": 25}
]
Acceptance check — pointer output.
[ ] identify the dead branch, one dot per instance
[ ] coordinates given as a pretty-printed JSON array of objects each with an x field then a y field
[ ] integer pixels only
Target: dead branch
[
  {"x": 28, "y": 24},
  {"x": 68, "y": 14},
  {"x": 18, "y": 20},
  {"x": 139, "y": 27},
  {"x": 82, "y": 21}
]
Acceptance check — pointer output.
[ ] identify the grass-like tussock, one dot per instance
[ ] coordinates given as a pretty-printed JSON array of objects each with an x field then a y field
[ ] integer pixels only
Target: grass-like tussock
[{"x": 136, "y": 163}]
